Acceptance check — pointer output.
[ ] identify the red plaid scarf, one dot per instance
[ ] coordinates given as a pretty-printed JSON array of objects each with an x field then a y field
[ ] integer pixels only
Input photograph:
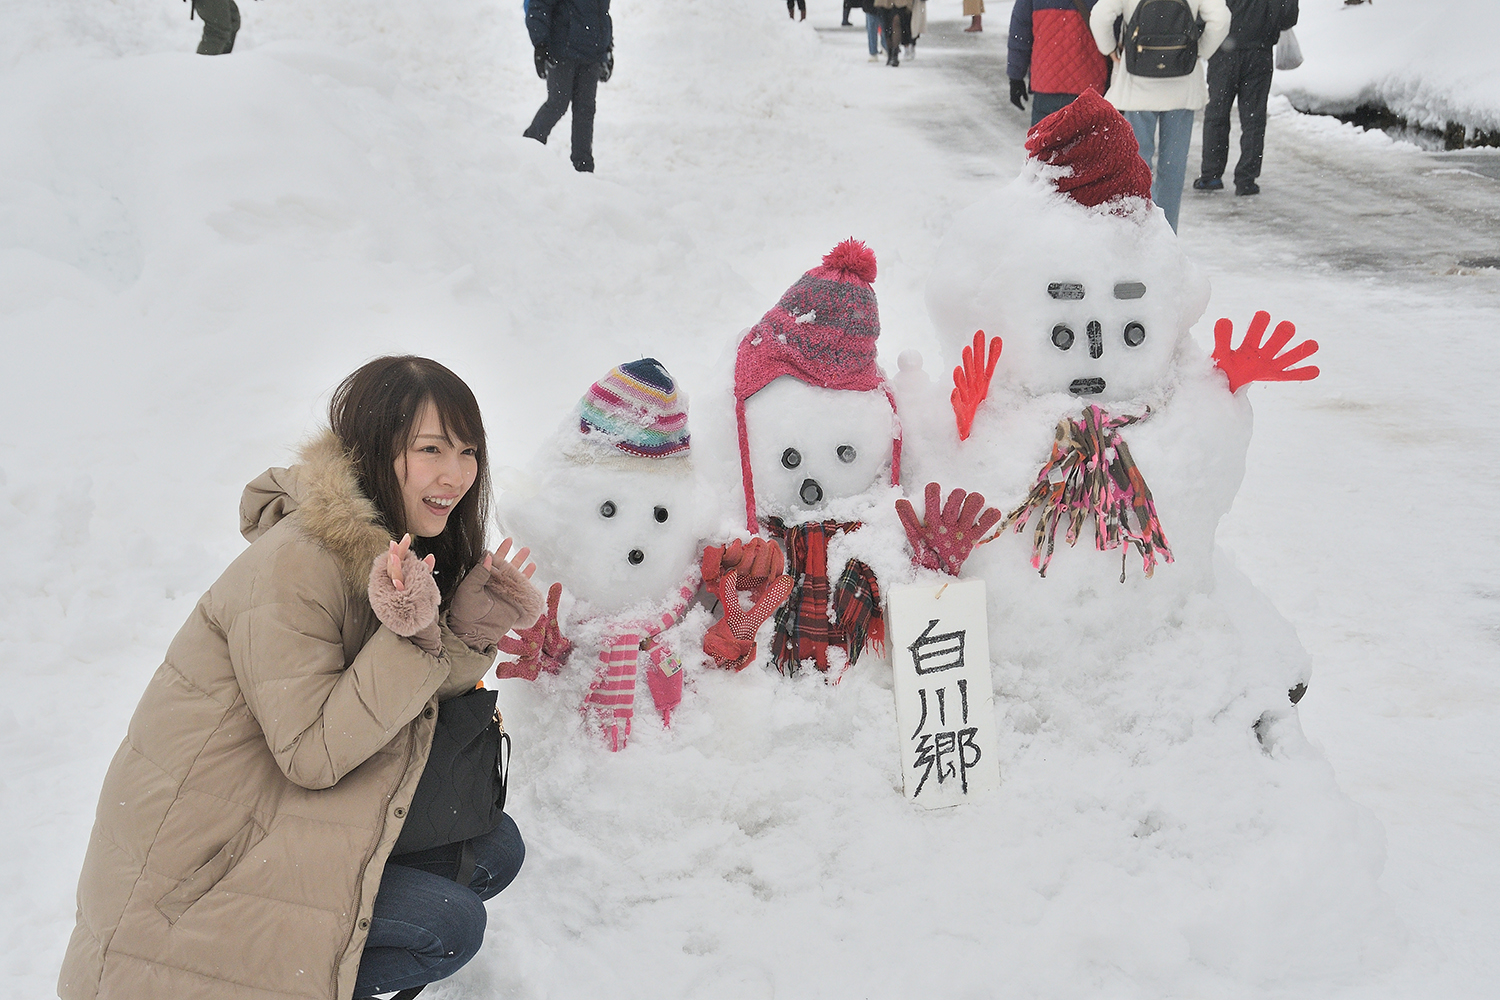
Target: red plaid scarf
[
  {"x": 1091, "y": 473},
  {"x": 803, "y": 628}
]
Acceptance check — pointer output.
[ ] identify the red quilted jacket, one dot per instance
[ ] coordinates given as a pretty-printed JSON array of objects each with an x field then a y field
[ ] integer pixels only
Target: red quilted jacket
[{"x": 1050, "y": 40}]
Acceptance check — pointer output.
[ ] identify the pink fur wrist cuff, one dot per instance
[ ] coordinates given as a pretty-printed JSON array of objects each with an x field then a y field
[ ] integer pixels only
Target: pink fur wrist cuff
[{"x": 404, "y": 612}]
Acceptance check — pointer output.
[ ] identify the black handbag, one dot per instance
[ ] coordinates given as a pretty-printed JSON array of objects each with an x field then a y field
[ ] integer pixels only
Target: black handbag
[{"x": 461, "y": 793}]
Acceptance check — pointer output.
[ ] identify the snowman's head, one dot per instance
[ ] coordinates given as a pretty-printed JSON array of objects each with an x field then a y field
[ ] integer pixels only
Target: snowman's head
[
  {"x": 1091, "y": 296},
  {"x": 816, "y": 418},
  {"x": 613, "y": 514},
  {"x": 811, "y": 447},
  {"x": 617, "y": 533}
]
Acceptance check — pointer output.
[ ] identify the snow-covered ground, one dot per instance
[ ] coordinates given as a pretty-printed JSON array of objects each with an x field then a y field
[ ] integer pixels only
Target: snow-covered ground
[{"x": 194, "y": 251}]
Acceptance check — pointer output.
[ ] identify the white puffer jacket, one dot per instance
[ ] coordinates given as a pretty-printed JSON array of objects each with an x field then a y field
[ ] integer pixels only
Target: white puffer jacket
[{"x": 1128, "y": 92}]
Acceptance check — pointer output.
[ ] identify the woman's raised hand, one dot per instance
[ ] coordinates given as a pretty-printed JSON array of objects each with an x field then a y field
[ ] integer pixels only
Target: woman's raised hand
[
  {"x": 495, "y": 597},
  {"x": 518, "y": 561},
  {"x": 398, "y": 553}
]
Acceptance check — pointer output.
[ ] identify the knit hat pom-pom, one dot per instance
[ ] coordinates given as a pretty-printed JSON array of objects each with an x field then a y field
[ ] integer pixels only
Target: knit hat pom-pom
[{"x": 853, "y": 258}]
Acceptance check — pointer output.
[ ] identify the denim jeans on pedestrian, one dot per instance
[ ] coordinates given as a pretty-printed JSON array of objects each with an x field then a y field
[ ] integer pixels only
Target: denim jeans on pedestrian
[
  {"x": 872, "y": 30},
  {"x": 1164, "y": 137},
  {"x": 426, "y": 926}
]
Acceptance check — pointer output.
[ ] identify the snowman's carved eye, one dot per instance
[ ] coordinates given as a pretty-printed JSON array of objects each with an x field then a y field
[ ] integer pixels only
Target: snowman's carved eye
[
  {"x": 607, "y": 509},
  {"x": 1135, "y": 334},
  {"x": 1062, "y": 337},
  {"x": 661, "y": 515},
  {"x": 847, "y": 453},
  {"x": 791, "y": 458}
]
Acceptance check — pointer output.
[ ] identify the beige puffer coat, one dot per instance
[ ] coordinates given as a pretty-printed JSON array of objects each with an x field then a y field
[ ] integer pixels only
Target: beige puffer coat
[{"x": 246, "y": 818}]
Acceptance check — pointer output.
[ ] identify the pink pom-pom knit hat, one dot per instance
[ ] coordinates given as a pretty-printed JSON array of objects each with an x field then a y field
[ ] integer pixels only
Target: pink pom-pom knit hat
[{"x": 822, "y": 332}]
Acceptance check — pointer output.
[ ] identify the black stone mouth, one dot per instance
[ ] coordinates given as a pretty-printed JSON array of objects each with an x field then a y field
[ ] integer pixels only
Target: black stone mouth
[{"x": 1086, "y": 386}]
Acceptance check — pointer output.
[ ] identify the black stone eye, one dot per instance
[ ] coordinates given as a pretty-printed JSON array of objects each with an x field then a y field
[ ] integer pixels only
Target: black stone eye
[
  {"x": 607, "y": 509},
  {"x": 661, "y": 515},
  {"x": 1135, "y": 334},
  {"x": 791, "y": 458},
  {"x": 1062, "y": 337},
  {"x": 847, "y": 453}
]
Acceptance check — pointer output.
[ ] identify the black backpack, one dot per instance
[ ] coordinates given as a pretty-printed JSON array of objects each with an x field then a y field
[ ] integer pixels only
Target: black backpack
[{"x": 1161, "y": 39}]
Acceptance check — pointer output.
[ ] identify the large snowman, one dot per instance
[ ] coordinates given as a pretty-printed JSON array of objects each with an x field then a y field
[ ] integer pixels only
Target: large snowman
[
  {"x": 1114, "y": 443},
  {"x": 820, "y": 455},
  {"x": 613, "y": 513}
]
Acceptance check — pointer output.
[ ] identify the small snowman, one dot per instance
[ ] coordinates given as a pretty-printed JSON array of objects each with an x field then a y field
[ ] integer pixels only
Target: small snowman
[
  {"x": 1079, "y": 280},
  {"x": 613, "y": 514},
  {"x": 818, "y": 439}
]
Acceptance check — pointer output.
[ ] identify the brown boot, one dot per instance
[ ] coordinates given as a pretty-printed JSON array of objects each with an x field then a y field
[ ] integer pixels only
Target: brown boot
[{"x": 975, "y": 25}]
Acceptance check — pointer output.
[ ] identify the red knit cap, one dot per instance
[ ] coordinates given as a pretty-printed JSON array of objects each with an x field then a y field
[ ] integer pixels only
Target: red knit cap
[
  {"x": 822, "y": 332},
  {"x": 1096, "y": 142}
]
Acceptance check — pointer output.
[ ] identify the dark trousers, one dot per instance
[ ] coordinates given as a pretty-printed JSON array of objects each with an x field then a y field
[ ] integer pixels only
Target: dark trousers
[
  {"x": 574, "y": 83},
  {"x": 792, "y": 5},
  {"x": 426, "y": 926},
  {"x": 221, "y": 22},
  {"x": 1243, "y": 75},
  {"x": 896, "y": 23}
]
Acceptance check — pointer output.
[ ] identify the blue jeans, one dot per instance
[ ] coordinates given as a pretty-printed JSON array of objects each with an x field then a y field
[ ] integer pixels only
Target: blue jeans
[
  {"x": 426, "y": 926},
  {"x": 1170, "y": 166},
  {"x": 872, "y": 30}
]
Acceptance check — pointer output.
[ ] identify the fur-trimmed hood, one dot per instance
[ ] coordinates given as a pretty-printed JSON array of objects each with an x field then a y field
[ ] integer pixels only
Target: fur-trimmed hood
[{"x": 322, "y": 486}]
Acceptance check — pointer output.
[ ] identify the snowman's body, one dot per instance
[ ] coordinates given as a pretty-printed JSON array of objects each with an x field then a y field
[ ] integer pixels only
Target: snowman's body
[
  {"x": 1095, "y": 308},
  {"x": 617, "y": 518}
]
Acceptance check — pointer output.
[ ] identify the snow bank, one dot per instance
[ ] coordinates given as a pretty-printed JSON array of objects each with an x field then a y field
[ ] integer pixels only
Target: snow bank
[{"x": 1429, "y": 61}]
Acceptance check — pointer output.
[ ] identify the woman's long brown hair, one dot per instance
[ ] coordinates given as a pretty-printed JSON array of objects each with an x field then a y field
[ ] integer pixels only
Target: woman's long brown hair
[{"x": 374, "y": 413}]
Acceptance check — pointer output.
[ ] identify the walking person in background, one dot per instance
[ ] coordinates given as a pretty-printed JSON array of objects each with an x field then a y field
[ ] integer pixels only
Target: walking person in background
[
  {"x": 574, "y": 42},
  {"x": 221, "y": 22},
  {"x": 1241, "y": 71},
  {"x": 974, "y": 10},
  {"x": 245, "y": 843},
  {"x": 1157, "y": 90},
  {"x": 918, "y": 25},
  {"x": 896, "y": 23},
  {"x": 1051, "y": 41},
  {"x": 872, "y": 28},
  {"x": 792, "y": 6}
]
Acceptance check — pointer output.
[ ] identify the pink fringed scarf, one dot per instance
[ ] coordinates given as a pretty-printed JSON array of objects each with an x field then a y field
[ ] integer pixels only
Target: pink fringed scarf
[
  {"x": 1091, "y": 473},
  {"x": 611, "y": 697}
]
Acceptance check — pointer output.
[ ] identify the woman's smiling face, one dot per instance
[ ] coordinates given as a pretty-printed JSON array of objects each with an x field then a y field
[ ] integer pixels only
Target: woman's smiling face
[{"x": 435, "y": 471}]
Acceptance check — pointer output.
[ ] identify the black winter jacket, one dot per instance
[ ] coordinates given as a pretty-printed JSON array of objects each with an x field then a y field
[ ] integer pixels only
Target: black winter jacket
[
  {"x": 572, "y": 30},
  {"x": 1254, "y": 24}
]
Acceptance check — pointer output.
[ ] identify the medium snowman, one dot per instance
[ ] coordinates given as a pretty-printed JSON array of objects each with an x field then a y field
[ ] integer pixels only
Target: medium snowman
[
  {"x": 819, "y": 440},
  {"x": 1101, "y": 421},
  {"x": 614, "y": 513}
]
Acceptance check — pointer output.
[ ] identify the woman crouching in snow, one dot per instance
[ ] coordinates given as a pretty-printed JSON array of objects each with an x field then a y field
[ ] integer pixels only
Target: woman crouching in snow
[{"x": 243, "y": 845}]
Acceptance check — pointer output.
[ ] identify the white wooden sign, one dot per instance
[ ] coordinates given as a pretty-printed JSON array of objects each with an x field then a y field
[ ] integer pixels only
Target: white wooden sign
[{"x": 940, "y": 651}]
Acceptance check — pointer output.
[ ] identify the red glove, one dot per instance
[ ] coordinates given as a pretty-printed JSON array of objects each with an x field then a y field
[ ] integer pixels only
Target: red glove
[
  {"x": 971, "y": 381},
  {"x": 947, "y": 537},
  {"x": 540, "y": 647},
  {"x": 757, "y": 561},
  {"x": 1254, "y": 362},
  {"x": 731, "y": 639}
]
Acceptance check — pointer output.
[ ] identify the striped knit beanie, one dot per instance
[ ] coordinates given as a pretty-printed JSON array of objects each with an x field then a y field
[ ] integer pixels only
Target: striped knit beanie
[
  {"x": 822, "y": 332},
  {"x": 636, "y": 410}
]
